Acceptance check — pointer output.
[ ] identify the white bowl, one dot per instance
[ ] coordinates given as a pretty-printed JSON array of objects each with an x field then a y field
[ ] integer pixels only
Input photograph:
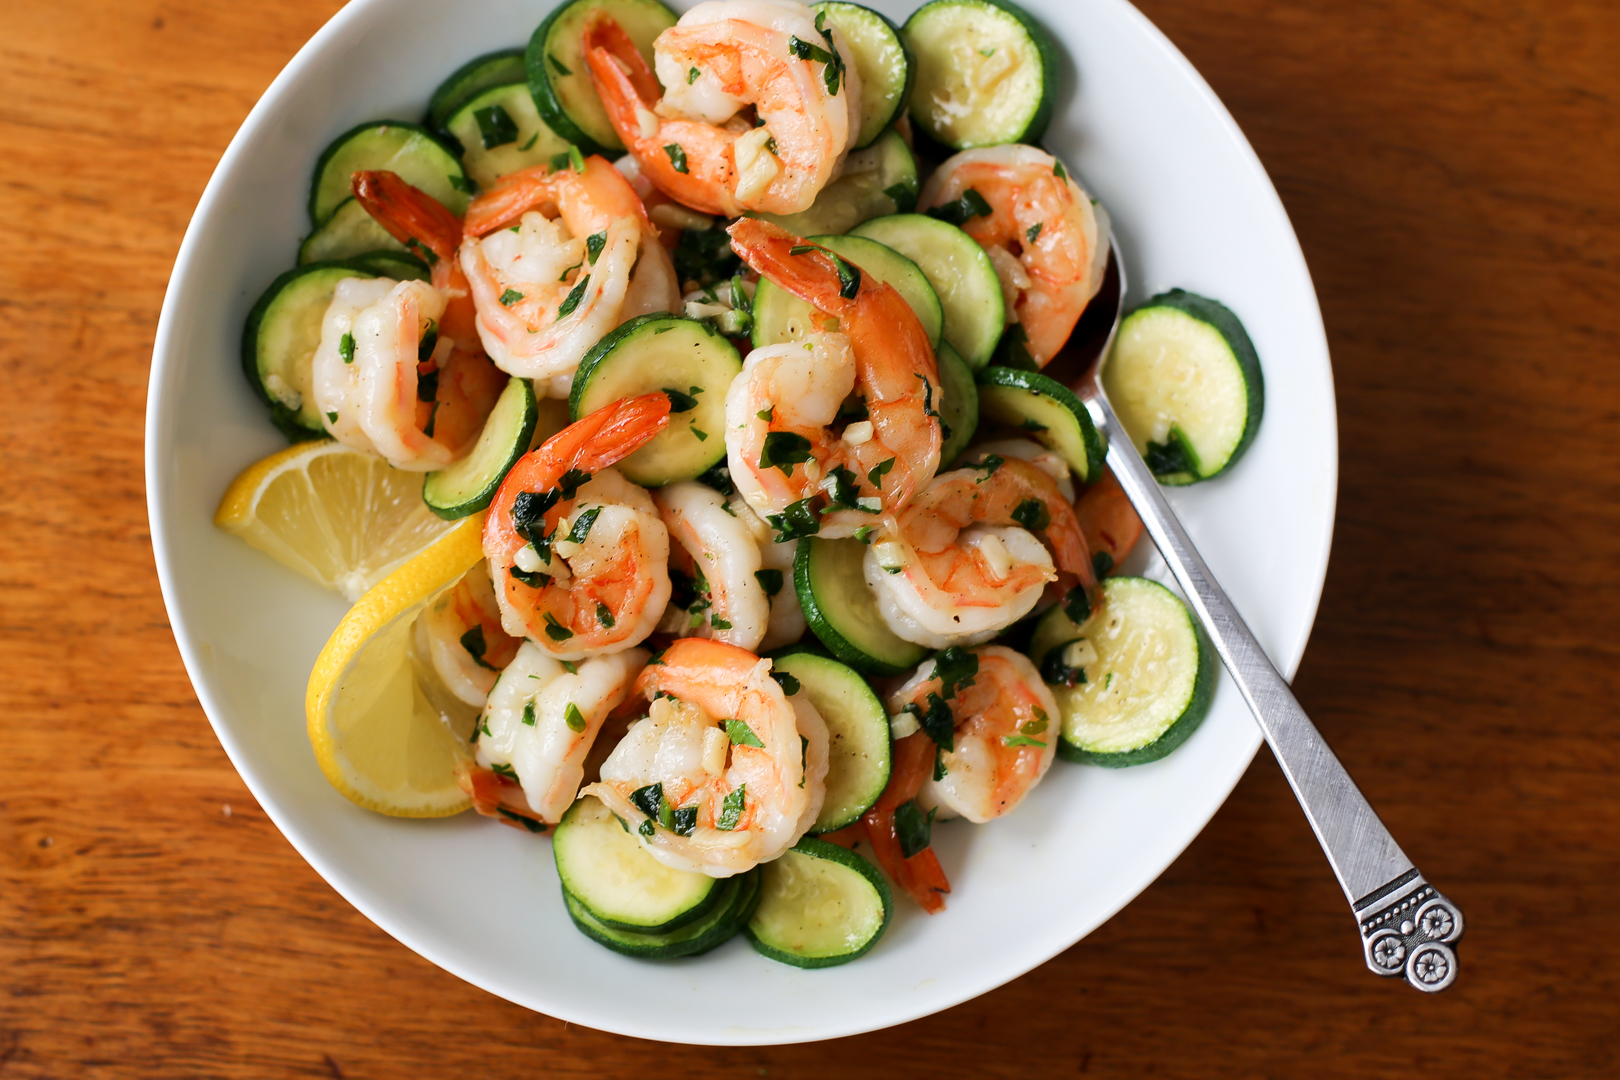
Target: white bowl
[{"x": 1192, "y": 207}]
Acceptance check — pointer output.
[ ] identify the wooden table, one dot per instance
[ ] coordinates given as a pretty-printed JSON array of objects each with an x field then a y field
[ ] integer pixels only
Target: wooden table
[{"x": 1453, "y": 171}]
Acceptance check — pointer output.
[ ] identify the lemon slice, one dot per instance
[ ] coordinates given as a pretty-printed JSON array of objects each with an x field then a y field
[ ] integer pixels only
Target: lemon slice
[
  {"x": 384, "y": 730},
  {"x": 338, "y": 516}
]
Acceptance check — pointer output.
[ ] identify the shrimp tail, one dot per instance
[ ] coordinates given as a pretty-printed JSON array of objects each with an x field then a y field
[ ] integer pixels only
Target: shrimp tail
[
  {"x": 623, "y": 79},
  {"x": 497, "y": 797},
  {"x": 802, "y": 269},
  {"x": 609, "y": 434},
  {"x": 409, "y": 214},
  {"x": 921, "y": 876}
]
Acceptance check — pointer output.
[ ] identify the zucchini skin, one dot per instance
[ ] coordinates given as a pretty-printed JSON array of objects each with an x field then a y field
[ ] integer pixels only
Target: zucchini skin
[
  {"x": 825, "y": 629},
  {"x": 900, "y": 103},
  {"x": 1034, "y": 382},
  {"x": 476, "y": 75},
  {"x": 810, "y": 672},
  {"x": 285, "y": 419},
  {"x": 1036, "y": 127},
  {"x": 545, "y": 96},
  {"x": 336, "y": 144},
  {"x": 478, "y": 500},
  {"x": 1229, "y": 326},
  {"x": 821, "y": 849},
  {"x": 1174, "y": 735}
]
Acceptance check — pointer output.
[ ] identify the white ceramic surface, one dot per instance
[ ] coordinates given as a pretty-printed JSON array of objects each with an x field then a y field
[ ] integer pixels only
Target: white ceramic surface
[{"x": 1192, "y": 207}]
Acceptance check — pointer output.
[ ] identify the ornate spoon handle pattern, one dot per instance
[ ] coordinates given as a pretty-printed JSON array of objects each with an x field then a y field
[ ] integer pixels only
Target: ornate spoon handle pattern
[{"x": 1407, "y": 927}]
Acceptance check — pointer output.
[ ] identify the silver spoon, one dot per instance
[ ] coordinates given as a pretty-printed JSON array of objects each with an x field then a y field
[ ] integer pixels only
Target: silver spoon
[{"x": 1408, "y": 928}]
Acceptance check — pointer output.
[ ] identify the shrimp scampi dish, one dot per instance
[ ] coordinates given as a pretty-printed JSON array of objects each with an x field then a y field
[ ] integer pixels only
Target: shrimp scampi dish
[{"x": 753, "y": 552}]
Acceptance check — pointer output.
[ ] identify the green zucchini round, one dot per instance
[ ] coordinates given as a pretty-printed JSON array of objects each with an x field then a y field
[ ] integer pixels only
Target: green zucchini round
[
  {"x": 409, "y": 150},
  {"x": 779, "y": 316},
  {"x": 469, "y": 485},
  {"x": 959, "y": 404},
  {"x": 877, "y": 181},
  {"x": 347, "y": 234},
  {"x": 478, "y": 74},
  {"x": 822, "y": 905},
  {"x": 1184, "y": 379},
  {"x": 882, "y": 60},
  {"x": 956, "y": 266},
  {"x": 1043, "y": 409},
  {"x": 500, "y": 132},
  {"x": 607, "y": 871},
  {"x": 986, "y": 73},
  {"x": 279, "y": 341},
  {"x": 1146, "y": 682},
  {"x": 561, "y": 83},
  {"x": 688, "y": 359},
  {"x": 841, "y": 610},
  {"x": 857, "y": 730}
]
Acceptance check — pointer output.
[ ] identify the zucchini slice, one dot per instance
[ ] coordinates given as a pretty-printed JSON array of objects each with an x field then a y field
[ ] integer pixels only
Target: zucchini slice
[
  {"x": 732, "y": 909},
  {"x": 958, "y": 405},
  {"x": 1185, "y": 380},
  {"x": 822, "y": 905},
  {"x": 469, "y": 485},
  {"x": 858, "y": 732},
  {"x": 986, "y": 73},
  {"x": 1045, "y": 410},
  {"x": 692, "y": 362},
  {"x": 1141, "y": 671},
  {"x": 606, "y": 870},
  {"x": 392, "y": 264},
  {"x": 348, "y": 233},
  {"x": 500, "y": 132},
  {"x": 413, "y": 152},
  {"x": 880, "y": 180},
  {"x": 559, "y": 80},
  {"x": 960, "y": 272},
  {"x": 476, "y": 75},
  {"x": 779, "y": 316},
  {"x": 882, "y": 60},
  {"x": 279, "y": 341},
  {"x": 841, "y": 610}
]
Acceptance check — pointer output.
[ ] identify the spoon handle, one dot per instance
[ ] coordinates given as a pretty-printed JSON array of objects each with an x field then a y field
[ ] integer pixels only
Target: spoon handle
[{"x": 1407, "y": 927}]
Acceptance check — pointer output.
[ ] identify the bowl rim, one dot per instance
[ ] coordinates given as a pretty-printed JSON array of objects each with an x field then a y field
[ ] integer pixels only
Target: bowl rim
[{"x": 158, "y": 444}]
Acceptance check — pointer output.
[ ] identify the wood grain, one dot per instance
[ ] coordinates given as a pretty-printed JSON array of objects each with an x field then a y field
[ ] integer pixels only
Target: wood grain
[{"x": 1453, "y": 171}]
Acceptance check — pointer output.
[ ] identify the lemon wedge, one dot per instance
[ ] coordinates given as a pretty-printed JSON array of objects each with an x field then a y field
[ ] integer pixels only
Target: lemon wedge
[
  {"x": 385, "y": 731},
  {"x": 338, "y": 516}
]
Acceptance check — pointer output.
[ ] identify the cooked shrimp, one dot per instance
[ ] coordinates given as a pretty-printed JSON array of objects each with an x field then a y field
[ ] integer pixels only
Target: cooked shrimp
[
  {"x": 714, "y": 569},
  {"x": 399, "y": 371},
  {"x": 1050, "y": 462},
  {"x": 969, "y": 557},
  {"x": 694, "y": 138},
  {"x": 1108, "y": 520},
  {"x": 1041, "y": 234},
  {"x": 775, "y": 575},
  {"x": 461, "y": 634},
  {"x": 542, "y": 718},
  {"x": 1002, "y": 734},
  {"x": 579, "y": 557},
  {"x": 555, "y": 259},
  {"x": 920, "y": 874},
  {"x": 786, "y": 440},
  {"x": 725, "y": 772}
]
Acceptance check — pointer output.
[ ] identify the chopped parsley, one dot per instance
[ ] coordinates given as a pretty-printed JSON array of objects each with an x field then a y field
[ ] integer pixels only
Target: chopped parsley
[
  {"x": 692, "y": 76},
  {"x": 958, "y": 211},
  {"x": 574, "y": 297},
  {"x": 1033, "y": 515},
  {"x": 990, "y": 464},
  {"x": 495, "y": 127},
  {"x": 770, "y": 581},
  {"x": 557, "y": 65},
  {"x": 790, "y": 685},
  {"x": 677, "y": 157},
  {"x": 796, "y": 522},
  {"x": 783, "y": 450},
  {"x": 913, "y": 828},
  {"x": 955, "y": 668},
  {"x": 504, "y": 771},
  {"x": 555, "y": 630},
  {"x": 1055, "y": 670},
  {"x": 510, "y": 297},
  {"x": 718, "y": 623},
  {"x": 574, "y": 718},
  {"x": 904, "y": 196},
  {"x": 742, "y": 735},
  {"x": 1077, "y": 605},
  {"x": 875, "y": 477},
  {"x": 533, "y": 579},
  {"x": 604, "y": 615},
  {"x": 346, "y": 347},
  {"x": 1033, "y": 231},
  {"x": 679, "y": 402},
  {"x": 528, "y": 714},
  {"x": 473, "y": 642},
  {"x": 332, "y": 416},
  {"x": 527, "y": 822},
  {"x": 935, "y": 719},
  {"x": 731, "y": 809},
  {"x": 594, "y": 244}
]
